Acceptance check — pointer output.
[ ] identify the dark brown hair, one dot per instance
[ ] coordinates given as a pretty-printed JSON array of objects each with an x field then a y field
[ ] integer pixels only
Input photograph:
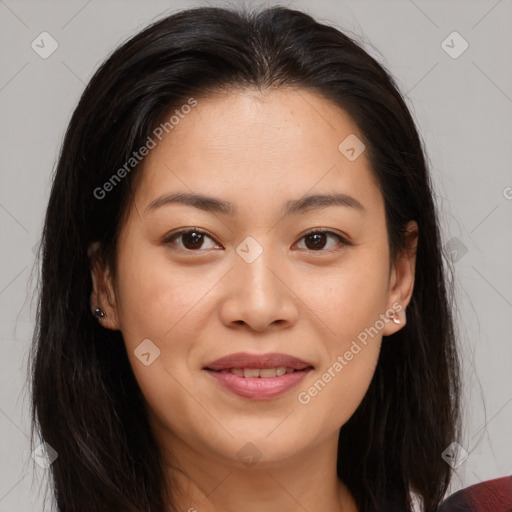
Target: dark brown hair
[{"x": 86, "y": 402}]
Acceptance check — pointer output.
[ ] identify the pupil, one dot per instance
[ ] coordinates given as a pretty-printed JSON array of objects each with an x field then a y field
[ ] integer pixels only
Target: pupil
[
  {"x": 318, "y": 238},
  {"x": 194, "y": 238}
]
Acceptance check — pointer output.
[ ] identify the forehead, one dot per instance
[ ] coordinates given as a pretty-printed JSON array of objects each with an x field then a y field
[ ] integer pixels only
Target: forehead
[{"x": 257, "y": 147}]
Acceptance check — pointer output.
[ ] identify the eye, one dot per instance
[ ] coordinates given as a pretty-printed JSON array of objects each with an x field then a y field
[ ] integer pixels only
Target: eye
[
  {"x": 192, "y": 239},
  {"x": 315, "y": 240}
]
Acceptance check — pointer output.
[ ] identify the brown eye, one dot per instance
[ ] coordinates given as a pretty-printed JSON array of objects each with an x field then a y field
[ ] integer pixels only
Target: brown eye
[
  {"x": 194, "y": 239},
  {"x": 191, "y": 239},
  {"x": 317, "y": 240}
]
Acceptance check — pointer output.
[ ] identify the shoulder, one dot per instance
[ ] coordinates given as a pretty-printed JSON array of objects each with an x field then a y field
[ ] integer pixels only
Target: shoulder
[{"x": 488, "y": 496}]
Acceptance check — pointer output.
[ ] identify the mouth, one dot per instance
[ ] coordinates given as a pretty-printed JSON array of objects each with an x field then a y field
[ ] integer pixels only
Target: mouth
[
  {"x": 258, "y": 377},
  {"x": 255, "y": 373},
  {"x": 246, "y": 361}
]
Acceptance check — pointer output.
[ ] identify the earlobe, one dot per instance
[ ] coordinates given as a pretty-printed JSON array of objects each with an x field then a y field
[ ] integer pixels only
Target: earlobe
[
  {"x": 102, "y": 300},
  {"x": 402, "y": 281}
]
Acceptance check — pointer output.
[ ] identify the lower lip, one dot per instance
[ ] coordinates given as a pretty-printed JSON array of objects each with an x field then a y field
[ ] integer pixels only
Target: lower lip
[{"x": 257, "y": 388}]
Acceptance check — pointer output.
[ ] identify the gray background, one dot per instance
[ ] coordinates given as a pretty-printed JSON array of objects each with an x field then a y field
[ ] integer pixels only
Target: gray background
[{"x": 462, "y": 105}]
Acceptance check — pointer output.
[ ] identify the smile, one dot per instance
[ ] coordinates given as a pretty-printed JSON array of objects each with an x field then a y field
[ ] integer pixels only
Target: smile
[{"x": 264, "y": 373}]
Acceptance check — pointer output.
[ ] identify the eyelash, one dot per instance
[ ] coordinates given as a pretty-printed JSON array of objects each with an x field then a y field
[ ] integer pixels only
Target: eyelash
[{"x": 173, "y": 236}]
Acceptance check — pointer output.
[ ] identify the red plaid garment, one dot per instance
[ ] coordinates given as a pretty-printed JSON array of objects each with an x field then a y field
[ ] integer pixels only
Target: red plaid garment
[{"x": 489, "y": 496}]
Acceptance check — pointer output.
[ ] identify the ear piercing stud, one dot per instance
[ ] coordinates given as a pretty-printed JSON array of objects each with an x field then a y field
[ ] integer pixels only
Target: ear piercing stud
[
  {"x": 395, "y": 318},
  {"x": 99, "y": 313}
]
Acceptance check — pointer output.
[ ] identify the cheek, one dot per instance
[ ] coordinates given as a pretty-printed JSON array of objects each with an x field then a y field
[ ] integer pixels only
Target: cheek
[
  {"x": 154, "y": 303},
  {"x": 348, "y": 298},
  {"x": 153, "y": 296},
  {"x": 338, "y": 389},
  {"x": 350, "y": 354},
  {"x": 161, "y": 302},
  {"x": 349, "y": 303},
  {"x": 151, "y": 299}
]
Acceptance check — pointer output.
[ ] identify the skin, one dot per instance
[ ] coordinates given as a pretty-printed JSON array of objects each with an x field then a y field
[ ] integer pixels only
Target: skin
[{"x": 256, "y": 150}]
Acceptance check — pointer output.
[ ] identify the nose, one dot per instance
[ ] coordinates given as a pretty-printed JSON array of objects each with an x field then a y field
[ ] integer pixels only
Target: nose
[{"x": 259, "y": 295}]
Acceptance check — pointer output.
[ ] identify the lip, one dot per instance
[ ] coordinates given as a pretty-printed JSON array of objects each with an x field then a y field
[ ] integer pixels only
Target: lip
[
  {"x": 246, "y": 360},
  {"x": 258, "y": 388}
]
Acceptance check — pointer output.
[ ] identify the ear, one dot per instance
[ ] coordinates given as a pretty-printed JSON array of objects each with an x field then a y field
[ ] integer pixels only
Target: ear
[
  {"x": 102, "y": 294},
  {"x": 401, "y": 283}
]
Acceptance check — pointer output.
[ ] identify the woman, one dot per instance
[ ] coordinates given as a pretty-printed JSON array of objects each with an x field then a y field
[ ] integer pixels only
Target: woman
[{"x": 243, "y": 299}]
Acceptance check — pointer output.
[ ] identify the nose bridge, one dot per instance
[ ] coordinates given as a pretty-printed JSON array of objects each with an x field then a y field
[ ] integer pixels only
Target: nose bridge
[
  {"x": 256, "y": 265},
  {"x": 258, "y": 295}
]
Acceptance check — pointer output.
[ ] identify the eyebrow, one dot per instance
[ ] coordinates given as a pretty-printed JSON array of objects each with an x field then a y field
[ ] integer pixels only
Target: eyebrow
[{"x": 292, "y": 207}]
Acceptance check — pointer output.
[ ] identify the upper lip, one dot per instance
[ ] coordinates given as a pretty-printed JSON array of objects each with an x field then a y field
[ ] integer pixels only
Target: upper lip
[{"x": 245, "y": 360}]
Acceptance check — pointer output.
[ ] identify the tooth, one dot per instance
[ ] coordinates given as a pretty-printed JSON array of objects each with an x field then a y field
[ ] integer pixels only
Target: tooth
[
  {"x": 237, "y": 371},
  {"x": 251, "y": 372},
  {"x": 281, "y": 370},
  {"x": 289, "y": 370},
  {"x": 268, "y": 373}
]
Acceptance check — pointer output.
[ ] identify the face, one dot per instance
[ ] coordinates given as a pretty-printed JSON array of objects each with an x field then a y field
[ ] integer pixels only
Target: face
[{"x": 199, "y": 283}]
